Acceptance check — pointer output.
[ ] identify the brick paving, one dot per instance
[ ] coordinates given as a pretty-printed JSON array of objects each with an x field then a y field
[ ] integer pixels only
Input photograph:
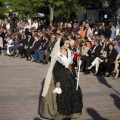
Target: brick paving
[{"x": 20, "y": 85}]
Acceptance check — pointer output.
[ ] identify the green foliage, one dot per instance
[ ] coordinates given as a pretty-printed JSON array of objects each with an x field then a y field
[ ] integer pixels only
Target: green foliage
[
  {"x": 30, "y": 8},
  {"x": 65, "y": 7},
  {"x": 2, "y": 7},
  {"x": 26, "y": 7}
]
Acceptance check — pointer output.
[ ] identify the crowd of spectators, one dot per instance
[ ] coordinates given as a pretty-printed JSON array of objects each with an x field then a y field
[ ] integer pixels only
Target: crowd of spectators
[{"x": 97, "y": 45}]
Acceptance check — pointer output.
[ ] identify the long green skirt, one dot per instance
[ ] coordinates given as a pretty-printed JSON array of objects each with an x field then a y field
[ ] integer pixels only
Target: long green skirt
[{"x": 48, "y": 106}]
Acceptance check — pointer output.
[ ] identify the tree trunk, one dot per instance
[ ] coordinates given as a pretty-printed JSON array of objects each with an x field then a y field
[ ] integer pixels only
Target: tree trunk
[{"x": 51, "y": 7}]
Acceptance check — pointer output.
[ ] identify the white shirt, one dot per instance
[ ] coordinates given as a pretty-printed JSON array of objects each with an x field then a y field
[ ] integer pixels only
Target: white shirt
[
  {"x": 72, "y": 42},
  {"x": 117, "y": 31},
  {"x": 8, "y": 26},
  {"x": 93, "y": 49},
  {"x": 35, "y": 25}
]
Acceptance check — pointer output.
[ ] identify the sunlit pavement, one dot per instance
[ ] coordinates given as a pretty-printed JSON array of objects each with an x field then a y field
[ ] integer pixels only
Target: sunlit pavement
[{"x": 20, "y": 86}]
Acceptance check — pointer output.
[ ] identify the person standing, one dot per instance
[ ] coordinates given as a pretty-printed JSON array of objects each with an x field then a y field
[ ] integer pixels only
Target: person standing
[{"x": 61, "y": 75}]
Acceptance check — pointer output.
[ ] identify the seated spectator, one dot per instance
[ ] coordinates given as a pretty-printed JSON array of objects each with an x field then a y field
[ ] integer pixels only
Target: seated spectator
[
  {"x": 56, "y": 46},
  {"x": 88, "y": 30},
  {"x": 20, "y": 50},
  {"x": 73, "y": 35},
  {"x": 10, "y": 43},
  {"x": 40, "y": 51},
  {"x": 49, "y": 48},
  {"x": 107, "y": 32},
  {"x": 3, "y": 33},
  {"x": 29, "y": 43},
  {"x": 117, "y": 31},
  {"x": 84, "y": 55},
  {"x": 99, "y": 59},
  {"x": 102, "y": 39},
  {"x": 106, "y": 67},
  {"x": 1, "y": 44},
  {"x": 100, "y": 30},
  {"x": 74, "y": 29},
  {"x": 76, "y": 42},
  {"x": 117, "y": 66},
  {"x": 93, "y": 52},
  {"x": 40, "y": 26},
  {"x": 75, "y": 55},
  {"x": 71, "y": 40},
  {"x": 35, "y": 46},
  {"x": 44, "y": 47},
  {"x": 69, "y": 28},
  {"x": 65, "y": 28},
  {"x": 91, "y": 39},
  {"x": 86, "y": 40},
  {"x": 113, "y": 30},
  {"x": 16, "y": 43},
  {"x": 95, "y": 29},
  {"x": 117, "y": 47},
  {"x": 81, "y": 32}
]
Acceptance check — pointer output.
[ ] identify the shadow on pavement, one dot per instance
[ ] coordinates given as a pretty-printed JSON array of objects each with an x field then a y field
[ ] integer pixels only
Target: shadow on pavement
[
  {"x": 94, "y": 114},
  {"x": 37, "y": 119},
  {"x": 116, "y": 99},
  {"x": 40, "y": 98},
  {"x": 103, "y": 81},
  {"x": 40, "y": 95}
]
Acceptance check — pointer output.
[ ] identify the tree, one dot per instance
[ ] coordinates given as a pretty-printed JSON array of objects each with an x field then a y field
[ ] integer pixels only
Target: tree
[
  {"x": 52, "y": 4},
  {"x": 2, "y": 7},
  {"x": 26, "y": 8},
  {"x": 62, "y": 7}
]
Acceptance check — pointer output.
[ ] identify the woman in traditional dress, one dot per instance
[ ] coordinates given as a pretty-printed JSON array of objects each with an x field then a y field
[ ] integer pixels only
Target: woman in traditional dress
[
  {"x": 60, "y": 99},
  {"x": 1, "y": 45}
]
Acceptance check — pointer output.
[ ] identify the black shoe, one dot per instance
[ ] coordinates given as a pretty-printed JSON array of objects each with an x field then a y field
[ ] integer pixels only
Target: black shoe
[
  {"x": 92, "y": 70},
  {"x": 108, "y": 75},
  {"x": 34, "y": 61},
  {"x": 95, "y": 74},
  {"x": 87, "y": 72},
  {"x": 45, "y": 62},
  {"x": 39, "y": 62}
]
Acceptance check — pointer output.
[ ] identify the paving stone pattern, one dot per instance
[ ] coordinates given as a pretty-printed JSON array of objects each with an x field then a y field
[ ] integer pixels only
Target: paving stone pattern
[{"x": 20, "y": 86}]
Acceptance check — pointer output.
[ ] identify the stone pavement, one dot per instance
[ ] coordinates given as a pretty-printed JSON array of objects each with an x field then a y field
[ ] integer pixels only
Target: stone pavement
[{"x": 20, "y": 86}]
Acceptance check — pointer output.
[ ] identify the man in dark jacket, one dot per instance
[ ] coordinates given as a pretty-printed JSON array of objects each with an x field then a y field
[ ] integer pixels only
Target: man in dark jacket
[
  {"x": 29, "y": 43},
  {"x": 3, "y": 32},
  {"x": 107, "y": 66},
  {"x": 49, "y": 48}
]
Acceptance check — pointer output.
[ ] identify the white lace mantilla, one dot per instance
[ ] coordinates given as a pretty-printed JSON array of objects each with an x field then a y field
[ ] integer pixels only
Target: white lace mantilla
[{"x": 64, "y": 60}]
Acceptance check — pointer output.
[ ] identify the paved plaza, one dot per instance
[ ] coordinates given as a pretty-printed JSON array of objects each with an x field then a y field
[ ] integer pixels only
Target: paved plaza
[{"x": 20, "y": 86}]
